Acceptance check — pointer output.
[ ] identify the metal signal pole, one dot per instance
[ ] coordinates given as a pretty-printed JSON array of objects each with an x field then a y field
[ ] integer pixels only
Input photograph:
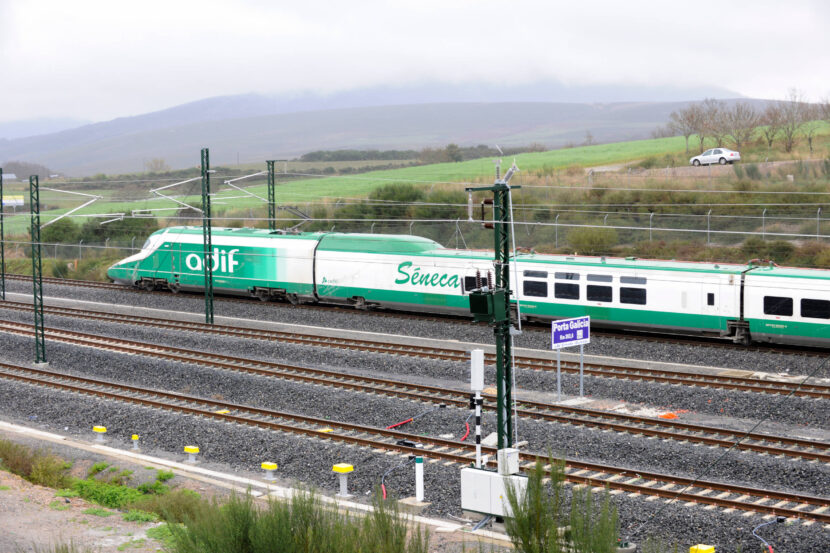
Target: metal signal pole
[
  {"x": 2, "y": 244},
  {"x": 37, "y": 269},
  {"x": 206, "y": 236},
  {"x": 272, "y": 198},
  {"x": 494, "y": 306}
]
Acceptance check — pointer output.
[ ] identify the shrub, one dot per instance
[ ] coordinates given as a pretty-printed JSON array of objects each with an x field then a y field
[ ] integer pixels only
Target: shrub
[
  {"x": 300, "y": 525},
  {"x": 135, "y": 515},
  {"x": 592, "y": 240},
  {"x": 96, "y": 468},
  {"x": 538, "y": 516},
  {"x": 175, "y": 506},
  {"x": 753, "y": 172},
  {"x": 106, "y": 494},
  {"x": 38, "y": 466}
]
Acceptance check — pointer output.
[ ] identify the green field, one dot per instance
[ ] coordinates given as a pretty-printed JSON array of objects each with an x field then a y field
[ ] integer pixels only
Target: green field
[
  {"x": 310, "y": 190},
  {"x": 358, "y": 186}
]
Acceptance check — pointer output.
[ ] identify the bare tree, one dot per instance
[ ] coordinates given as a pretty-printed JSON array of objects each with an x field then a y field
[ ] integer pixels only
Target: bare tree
[
  {"x": 792, "y": 117},
  {"x": 740, "y": 121},
  {"x": 156, "y": 165},
  {"x": 714, "y": 116},
  {"x": 812, "y": 115},
  {"x": 697, "y": 121},
  {"x": 824, "y": 105},
  {"x": 771, "y": 121},
  {"x": 589, "y": 139},
  {"x": 682, "y": 122}
]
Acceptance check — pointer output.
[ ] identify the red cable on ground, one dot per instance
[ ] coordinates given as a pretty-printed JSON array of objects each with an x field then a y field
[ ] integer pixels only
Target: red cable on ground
[
  {"x": 467, "y": 424},
  {"x": 383, "y": 489},
  {"x": 391, "y": 426}
]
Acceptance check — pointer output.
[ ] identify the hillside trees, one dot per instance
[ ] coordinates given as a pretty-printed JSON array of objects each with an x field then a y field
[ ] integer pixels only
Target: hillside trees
[
  {"x": 714, "y": 113},
  {"x": 682, "y": 122},
  {"x": 794, "y": 113},
  {"x": 740, "y": 122},
  {"x": 771, "y": 122}
]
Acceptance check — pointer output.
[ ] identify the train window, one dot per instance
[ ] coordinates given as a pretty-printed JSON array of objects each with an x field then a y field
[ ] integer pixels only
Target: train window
[
  {"x": 599, "y": 293},
  {"x": 710, "y": 299},
  {"x": 469, "y": 284},
  {"x": 600, "y": 278},
  {"x": 536, "y": 274},
  {"x": 815, "y": 309},
  {"x": 566, "y": 291},
  {"x": 776, "y": 305},
  {"x": 535, "y": 288},
  {"x": 636, "y": 296},
  {"x": 633, "y": 280},
  {"x": 567, "y": 276}
]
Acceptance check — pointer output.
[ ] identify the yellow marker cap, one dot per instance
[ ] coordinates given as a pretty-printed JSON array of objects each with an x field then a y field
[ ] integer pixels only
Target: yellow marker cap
[
  {"x": 269, "y": 466},
  {"x": 191, "y": 449},
  {"x": 99, "y": 429},
  {"x": 342, "y": 468},
  {"x": 135, "y": 437}
]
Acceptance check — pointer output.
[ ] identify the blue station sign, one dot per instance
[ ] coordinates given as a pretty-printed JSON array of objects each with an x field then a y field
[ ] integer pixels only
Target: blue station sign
[{"x": 570, "y": 332}]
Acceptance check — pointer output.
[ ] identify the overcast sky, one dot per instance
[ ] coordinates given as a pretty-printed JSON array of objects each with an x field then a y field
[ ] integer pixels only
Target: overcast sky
[{"x": 100, "y": 59}]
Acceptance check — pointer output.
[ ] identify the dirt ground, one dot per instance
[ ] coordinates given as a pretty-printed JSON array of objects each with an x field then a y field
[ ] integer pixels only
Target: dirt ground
[{"x": 31, "y": 516}]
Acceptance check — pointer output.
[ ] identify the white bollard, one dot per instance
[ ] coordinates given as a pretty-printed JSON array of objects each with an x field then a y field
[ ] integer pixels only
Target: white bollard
[
  {"x": 191, "y": 451},
  {"x": 135, "y": 441},
  {"x": 343, "y": 469},
  {"x": 419, "y": 479},
  {"x": 269, "y": 470},
  {"x": 99, "y": 432}
]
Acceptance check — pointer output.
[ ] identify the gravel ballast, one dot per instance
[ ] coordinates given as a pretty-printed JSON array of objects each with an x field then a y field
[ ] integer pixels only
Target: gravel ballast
[
  {"x": 735, "y": 358},
  {"x": 233, "y": 448}
]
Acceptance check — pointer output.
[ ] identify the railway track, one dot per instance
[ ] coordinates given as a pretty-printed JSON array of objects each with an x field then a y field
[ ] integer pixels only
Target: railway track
[
  {"x": 618, "y": 479},
  {"x": 706, "y": 341},
  {"x": 593, "y": 418},
  {"x": 604, "y": 370}
]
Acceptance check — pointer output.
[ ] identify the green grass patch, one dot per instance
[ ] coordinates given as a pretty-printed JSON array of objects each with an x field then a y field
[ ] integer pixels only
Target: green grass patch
[
  {"x": 66, "y": 492},
  {"x": 4, "y": 488},
  {"x": 59, "y": 505},
  {"x": 132, "y": 544},
  {"x": 114, "y": 496},
  {"x": 164, "y": 475},
  {"x": 135, "y": 515},
  {"x": 98, "y": 512},
  {"x": 175, "y": 506},
  {"x": 162, "y": 533},
  {"x": 97, "y": 468}
]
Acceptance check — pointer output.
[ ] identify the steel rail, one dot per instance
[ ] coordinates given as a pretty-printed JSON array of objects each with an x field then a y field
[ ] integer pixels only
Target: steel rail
[
  {"x": 714, "y": 436},
  {"x": 433, "y": 448},
  {"x": 604, "y": 370},
  {"x": 642, "y": 336}
]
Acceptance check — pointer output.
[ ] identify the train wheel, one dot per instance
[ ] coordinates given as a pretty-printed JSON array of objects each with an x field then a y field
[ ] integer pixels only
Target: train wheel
[
  {"x": 174, "y": 287},
  {"x": 263, "y": 295},
  {"x": 147, "y": 285}
]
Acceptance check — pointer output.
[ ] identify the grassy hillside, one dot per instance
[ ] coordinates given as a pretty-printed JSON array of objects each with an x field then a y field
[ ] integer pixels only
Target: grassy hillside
[{"x": 453, "y": 175}]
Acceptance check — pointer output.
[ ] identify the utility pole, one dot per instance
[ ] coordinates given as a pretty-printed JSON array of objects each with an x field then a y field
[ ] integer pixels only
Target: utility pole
[
  {"x": 2, "y": 244},
  {"x": 206, "y": 236},
  {"x": 37, "y": 269},
  {"x": 493, "y": 306},
  {"x": 272, "y": 197}
]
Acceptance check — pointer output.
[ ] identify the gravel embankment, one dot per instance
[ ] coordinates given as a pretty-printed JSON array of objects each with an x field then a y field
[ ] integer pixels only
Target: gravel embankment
[
  {"x": 232, "y": 448},
  {"x": 736, "y": 358},
  {"x": 699, "y": 402},
  {"x": 635, "y": 452}
]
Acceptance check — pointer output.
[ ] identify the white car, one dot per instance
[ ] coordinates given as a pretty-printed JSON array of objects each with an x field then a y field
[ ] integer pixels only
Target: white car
[{"x": 716, "y": 155}]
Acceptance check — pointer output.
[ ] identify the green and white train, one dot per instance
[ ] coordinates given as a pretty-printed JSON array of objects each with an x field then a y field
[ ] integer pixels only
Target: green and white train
[{"x": 754, "y": 302}]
